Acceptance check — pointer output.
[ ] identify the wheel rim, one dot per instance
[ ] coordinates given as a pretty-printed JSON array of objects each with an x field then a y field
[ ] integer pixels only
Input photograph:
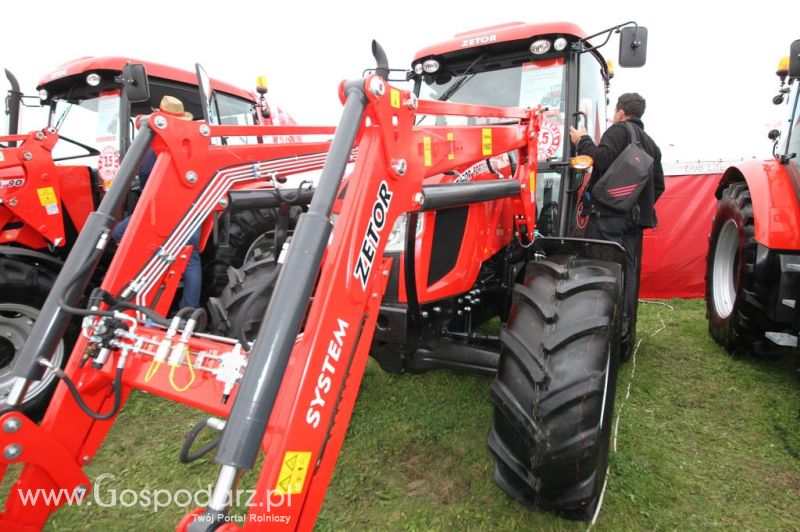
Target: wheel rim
[
  {"x": 726, "y": 269},
  {"x": 16, "y": 323}
]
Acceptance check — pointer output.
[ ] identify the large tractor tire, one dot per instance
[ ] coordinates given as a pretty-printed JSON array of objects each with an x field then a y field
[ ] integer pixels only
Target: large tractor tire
[
  {"x": 240, "y": 307},
  {"x": 246, "y": 229},
  {"x": 555, "y": 386},
  {"x": 23, "y": 290},
  {"x": 735, "y": 309}
]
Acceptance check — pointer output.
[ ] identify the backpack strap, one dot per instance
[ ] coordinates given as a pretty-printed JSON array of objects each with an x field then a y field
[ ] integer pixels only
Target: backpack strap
[{"x": 634, "y": 133}]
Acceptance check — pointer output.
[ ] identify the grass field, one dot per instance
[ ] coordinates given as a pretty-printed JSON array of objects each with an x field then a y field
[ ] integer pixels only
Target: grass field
[{"x": 704, "y": 441}]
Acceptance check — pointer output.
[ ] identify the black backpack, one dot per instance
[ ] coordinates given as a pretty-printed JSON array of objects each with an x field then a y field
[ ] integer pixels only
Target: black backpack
[{"x": 622, "y": 183}]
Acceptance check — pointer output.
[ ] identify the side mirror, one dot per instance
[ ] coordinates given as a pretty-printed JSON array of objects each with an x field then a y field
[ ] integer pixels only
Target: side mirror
[
  {"x": 773, "y": 134},
  {"x": 794, "y": 59},
  {"x": 204, "y": 86},
  {"x": 632, "y": 46},
  {"x": 134, "y": 83}
]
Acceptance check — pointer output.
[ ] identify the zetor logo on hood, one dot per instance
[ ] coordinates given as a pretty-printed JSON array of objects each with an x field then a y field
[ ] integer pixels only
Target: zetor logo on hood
[{"x": 478, "y": 40}]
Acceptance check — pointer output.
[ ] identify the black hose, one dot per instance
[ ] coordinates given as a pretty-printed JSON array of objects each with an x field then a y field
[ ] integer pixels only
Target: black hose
[
  {"x": 66, "y": 307},
  {"x": 116, "y": 386},
  {"x": 154, "y": 316},
  {"x": 186, "y": 456},
  {"x": 250, "y": 301}
]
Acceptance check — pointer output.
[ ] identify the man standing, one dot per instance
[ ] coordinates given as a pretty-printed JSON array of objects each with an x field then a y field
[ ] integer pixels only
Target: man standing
[{"x": 623, "y": 228}]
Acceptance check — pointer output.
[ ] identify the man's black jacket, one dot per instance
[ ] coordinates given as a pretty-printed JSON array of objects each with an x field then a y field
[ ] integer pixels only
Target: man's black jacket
[{"x": 614, "y": 140}]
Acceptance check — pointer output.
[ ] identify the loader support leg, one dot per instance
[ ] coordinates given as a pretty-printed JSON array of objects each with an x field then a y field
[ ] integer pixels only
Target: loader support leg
[{"x": 255, "y": 399}]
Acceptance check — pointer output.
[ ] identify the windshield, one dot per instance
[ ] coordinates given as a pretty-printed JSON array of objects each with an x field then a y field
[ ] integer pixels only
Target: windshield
[
  {"x": 791, "y": 143},
  {"x": 231, "y": 111},
  {"x": 526, "y": 85},
  {"x": 93, "y": 122}
]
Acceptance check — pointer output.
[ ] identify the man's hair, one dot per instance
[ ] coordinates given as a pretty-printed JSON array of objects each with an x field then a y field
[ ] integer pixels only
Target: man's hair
[{"x": 632, "y": 104}]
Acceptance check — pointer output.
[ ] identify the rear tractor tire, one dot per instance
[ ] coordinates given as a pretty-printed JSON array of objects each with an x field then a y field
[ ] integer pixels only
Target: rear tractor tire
[
  {"x": 555, "y": 386},
  {"x": 250, "y": 232}
]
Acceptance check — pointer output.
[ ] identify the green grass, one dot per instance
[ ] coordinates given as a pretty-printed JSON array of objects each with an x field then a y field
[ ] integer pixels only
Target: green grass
[{"x": 704, "y": 441}]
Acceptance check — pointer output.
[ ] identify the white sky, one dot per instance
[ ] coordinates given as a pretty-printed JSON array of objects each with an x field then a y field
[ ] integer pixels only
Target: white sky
[{"x": 709, "y": 78}]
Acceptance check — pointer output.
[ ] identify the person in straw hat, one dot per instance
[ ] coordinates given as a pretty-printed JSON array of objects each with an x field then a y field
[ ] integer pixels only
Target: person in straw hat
[{"x": 193, "y": 275}]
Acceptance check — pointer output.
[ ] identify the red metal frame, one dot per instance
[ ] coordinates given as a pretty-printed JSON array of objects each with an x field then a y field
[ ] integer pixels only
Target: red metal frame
[
  {"x": 513, "y": 31},
  {"x": 321, "y": 382},
  {"x": 156, "y": 70},
  {"x": 40, "y": 190}
]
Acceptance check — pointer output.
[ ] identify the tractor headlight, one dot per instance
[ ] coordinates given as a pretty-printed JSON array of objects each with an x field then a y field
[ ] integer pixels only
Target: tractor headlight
[
  {"x": 540, "y": 46},
  {"x": 418, "y": 69},
  {"x": 93, "y": 79},
  {"x": 560, "y": 43},
  {"x": 397, "y": 237},
  {"x": 430, "y": 66}
]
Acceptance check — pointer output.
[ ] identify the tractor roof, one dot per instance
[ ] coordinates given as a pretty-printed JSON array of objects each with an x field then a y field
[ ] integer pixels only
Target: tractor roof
[
  {"x": 115, "y": 64},
  {"x": 512, "y": 31}
]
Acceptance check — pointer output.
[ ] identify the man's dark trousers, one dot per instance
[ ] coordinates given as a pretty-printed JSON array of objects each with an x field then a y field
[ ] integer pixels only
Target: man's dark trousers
[{"x": 628, "y": 234}]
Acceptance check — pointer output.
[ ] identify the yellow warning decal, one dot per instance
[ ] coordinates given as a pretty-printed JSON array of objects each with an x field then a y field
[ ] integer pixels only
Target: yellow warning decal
[
  {"x": 426, "y": 151},
  {"x": 293, "y": 473},
  {"x": 395, "y": 98},
  {"x": 47, "y": 196},
  {"x": 486, "y": 141},
  {"x": 451, "y": 155},
  {"x": 533, "y": 184}
]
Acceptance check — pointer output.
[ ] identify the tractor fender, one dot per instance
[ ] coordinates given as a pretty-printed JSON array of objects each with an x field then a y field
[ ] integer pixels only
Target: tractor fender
[
  {"x": 583, "y": 248},
  {"x": 30, "y": 255},
  {"x": 776, "y": 209}
]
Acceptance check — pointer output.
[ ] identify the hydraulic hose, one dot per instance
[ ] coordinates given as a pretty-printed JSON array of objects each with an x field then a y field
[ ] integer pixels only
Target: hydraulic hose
[{"x": 73, "y": 390}]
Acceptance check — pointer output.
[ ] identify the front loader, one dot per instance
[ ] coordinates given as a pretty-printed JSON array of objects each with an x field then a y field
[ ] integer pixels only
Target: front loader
[
  {"x": 51, "y": 179},
  {"x": 290, "y": 392}
]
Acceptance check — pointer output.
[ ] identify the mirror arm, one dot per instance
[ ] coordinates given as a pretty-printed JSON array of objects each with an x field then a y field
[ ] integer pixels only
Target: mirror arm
[{"x": 584, "y": 46}]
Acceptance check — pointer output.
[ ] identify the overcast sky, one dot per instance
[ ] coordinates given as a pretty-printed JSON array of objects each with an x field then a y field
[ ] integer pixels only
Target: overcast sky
[{"x": 709, "y": 78}]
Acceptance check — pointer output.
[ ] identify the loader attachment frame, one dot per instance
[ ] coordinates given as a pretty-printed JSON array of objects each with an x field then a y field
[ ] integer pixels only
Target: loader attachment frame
[{"x": 291, "y": 393}]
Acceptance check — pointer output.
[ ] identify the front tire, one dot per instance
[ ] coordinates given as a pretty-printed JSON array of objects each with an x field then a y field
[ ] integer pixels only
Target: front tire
[
  {"x": 555, "y": 386},
  {"x": 734, "y": 307},
  {"x": 23, "y": 290}
]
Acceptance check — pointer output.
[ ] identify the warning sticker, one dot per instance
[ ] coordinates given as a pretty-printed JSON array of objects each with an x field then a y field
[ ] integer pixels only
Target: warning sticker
[
  {"x": 426, "y": 151},
  {"x": 486, "y": 141},
  {"x": 47, "y": 196},
  {"x": 532, "y": 178},
  {"x": 395, "y": 98},
  {"x": 451, "y": 155},
  {"x": 293, "y": 473}
]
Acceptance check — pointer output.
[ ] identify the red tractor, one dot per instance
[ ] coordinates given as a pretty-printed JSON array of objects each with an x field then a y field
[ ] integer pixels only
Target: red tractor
[
  {"x": 52, "y": 179},
  {"x": 360, "y": 274},
  {"x": 753, "y": 265}
]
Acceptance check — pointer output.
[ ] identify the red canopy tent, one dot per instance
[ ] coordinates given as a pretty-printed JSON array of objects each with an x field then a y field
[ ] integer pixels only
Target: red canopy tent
[{"x": 674, "y": 253}]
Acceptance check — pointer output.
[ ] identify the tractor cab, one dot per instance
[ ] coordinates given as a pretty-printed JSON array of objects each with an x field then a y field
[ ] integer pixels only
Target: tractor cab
[
  {"x": 554, "y": 66},
  {"x": 92, "y": 104}
]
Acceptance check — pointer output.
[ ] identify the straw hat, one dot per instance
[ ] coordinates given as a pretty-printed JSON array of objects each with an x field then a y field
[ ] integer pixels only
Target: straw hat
[{"x": 172, "y": 106}]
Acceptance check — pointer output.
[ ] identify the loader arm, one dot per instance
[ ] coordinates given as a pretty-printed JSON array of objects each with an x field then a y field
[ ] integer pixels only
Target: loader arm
[{"x": 291, "y": 393}]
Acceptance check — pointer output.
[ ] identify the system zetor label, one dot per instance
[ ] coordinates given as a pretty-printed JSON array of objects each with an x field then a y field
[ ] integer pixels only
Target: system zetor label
[{"x": 372, "y": 236}]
